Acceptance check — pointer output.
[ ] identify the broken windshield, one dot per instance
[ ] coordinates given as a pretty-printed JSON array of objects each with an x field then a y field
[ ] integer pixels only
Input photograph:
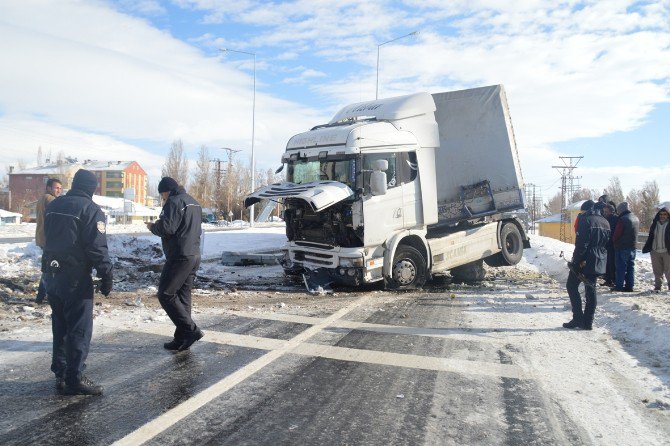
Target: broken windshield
[{"x": 308, "y": 170}]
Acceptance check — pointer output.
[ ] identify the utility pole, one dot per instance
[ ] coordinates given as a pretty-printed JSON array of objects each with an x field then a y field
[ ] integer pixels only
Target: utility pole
[
  {"x": 217, "y": 173},
  {"x": 534, "y": 195},
  {"x": 567, "y": 189},
  {"x": 228, "y": 170}
]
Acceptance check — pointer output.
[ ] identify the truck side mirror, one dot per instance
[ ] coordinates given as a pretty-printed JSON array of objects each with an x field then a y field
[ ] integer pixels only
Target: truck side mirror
[{"x": 378, "y": 177}]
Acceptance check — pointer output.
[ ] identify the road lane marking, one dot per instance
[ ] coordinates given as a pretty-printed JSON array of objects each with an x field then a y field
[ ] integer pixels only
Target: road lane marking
[
  {"x": 177, "y": 413},
  {"x": 442, "y": 333},
  {"x": 450, "y": 364},
  {"x": 454, "y": 365}
]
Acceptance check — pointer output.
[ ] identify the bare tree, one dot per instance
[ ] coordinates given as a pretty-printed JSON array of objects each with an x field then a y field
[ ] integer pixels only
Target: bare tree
[
  {"x": 176, "y": 164},
  {"x": 633, "y": 198},
  {"x": 583, "y": 194},
  {"x": 554, "y": 205},
  {"x": 614, "y": 191},
  {"x": 40, "y": 158},
  {"x": 649, "y": 198},
  {"x": 201, "y": 186}
]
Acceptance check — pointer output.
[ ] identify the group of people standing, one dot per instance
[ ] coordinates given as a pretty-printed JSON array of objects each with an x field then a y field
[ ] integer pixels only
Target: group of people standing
[
  {"x": 71, "y": 230},
  {"x": 606, "y": 245}
]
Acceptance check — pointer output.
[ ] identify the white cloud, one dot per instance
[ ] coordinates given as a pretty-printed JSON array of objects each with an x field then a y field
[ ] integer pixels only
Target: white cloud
[
  {"x": 304, "y": 76},
  {"x": 20, "y": 138},
  {"x": 87, "y": 67}
]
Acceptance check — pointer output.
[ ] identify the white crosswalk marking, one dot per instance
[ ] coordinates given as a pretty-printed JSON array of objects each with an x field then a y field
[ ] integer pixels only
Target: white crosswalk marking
[{"x": 169, "y": 418}]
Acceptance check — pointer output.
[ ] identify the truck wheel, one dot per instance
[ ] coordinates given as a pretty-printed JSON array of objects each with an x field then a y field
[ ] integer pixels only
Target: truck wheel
[
  {"x": 408, "y": 270},
  {"x": 512, "y": 245},
  {"x": 470, "y": 272}
]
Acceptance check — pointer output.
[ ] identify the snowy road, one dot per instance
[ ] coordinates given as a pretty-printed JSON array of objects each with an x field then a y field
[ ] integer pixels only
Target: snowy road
[{"x": 467, "y": 365}]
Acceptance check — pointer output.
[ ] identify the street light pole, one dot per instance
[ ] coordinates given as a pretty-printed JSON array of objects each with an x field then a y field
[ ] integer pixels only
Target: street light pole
[
  {"x": 414, "y": 33},
  {"x": 253, "y": 131}
]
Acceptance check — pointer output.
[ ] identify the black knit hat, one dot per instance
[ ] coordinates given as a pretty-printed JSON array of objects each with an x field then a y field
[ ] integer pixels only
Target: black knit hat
[
  {"x": 167, "y": 184},
  {"x": 587, "y": 205},
  {"x": 85, "y": 181}
]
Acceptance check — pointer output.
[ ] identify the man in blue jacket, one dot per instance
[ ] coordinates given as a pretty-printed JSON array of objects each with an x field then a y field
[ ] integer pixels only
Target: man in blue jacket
[
  {"x": 76, "y": 242},
  {"x": 589, "y": 260},
  {"x": 179, "y": 229}
]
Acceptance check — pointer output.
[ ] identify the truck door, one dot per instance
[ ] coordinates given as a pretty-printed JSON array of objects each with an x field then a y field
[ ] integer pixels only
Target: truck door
[
  {"x": 411, "y": 191},
  {"x": 382, "y": 214}
]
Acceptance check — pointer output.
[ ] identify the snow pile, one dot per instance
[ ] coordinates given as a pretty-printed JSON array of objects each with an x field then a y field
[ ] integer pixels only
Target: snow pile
[{"x": 16, "y": 259}]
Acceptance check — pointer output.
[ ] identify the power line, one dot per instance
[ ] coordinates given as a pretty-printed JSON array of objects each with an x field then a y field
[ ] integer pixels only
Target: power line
[{"x": 568, "y": 187}]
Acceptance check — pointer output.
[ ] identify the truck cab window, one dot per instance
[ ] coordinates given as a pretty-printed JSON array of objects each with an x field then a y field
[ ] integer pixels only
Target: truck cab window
[
  {"x": 407, "y": 167},
  {"x": 391, "y": 173}
]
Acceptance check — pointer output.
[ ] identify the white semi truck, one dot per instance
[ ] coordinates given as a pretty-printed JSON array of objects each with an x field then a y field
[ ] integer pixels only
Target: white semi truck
[{"x": 399, "y": 189}]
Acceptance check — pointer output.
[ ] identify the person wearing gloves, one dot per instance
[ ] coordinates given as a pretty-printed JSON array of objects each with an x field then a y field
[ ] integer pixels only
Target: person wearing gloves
[
  {"x": 179, "y": 229},
  {"x": 76, "y": 242},
  {"x": 658, "y": 247},
  {"x": 589, "y": 260}
]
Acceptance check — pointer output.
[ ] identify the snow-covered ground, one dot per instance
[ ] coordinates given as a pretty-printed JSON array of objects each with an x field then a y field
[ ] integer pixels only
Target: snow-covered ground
[{"x": 633, "y": 327}]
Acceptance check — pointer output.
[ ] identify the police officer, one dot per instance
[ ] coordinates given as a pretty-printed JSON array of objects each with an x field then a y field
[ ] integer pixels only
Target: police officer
[
  {"x": 589, "y": 260},
  {"x": 75, "y": 243},
  {"x": 179, "y": 229}
]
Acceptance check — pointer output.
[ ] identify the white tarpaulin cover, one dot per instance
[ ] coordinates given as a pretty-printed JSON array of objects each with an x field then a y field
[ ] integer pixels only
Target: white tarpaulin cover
[{"x": 477, "y": 151}]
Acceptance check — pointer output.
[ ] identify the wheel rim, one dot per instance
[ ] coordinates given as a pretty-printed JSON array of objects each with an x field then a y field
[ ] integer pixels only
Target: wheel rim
[
  {"x": 511, "y": 244},
  {"x": 404, "y": 272}
]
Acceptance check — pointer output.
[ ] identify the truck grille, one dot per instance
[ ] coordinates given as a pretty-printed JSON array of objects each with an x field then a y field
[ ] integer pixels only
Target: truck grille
[{"x": 314, "y": 257}]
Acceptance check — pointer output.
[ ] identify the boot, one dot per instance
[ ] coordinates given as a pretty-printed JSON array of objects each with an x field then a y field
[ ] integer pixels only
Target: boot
[
  {"x": 84, "y": 387},
  {"x": 60, "y": 384},
  {"x": 588, "y": 323},
  {"x": 190, "y": 339},
  {"x": 574, "y": 323},
  {"x": 173, "y": 344}
]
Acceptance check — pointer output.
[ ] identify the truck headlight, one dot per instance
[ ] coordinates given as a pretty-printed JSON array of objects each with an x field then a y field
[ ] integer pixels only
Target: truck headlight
[{"x": 349, "y": 262}]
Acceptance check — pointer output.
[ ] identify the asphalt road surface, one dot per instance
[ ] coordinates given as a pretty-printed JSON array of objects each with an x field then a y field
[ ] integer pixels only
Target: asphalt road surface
[{"x": 407, "y": 369}]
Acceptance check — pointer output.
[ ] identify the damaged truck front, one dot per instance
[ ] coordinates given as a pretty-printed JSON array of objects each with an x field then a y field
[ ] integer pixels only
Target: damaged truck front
[{"x": 369, "y": 196}]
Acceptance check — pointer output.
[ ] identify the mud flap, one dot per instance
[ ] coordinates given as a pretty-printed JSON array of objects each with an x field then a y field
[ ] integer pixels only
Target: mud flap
[{"x": 317, "y": 281}]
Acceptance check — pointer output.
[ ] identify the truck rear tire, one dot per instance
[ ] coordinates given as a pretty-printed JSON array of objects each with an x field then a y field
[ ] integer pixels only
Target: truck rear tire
[
  {"x": 408, "y": 270},
  {"x": 470, "y": 272},
  {"x": 512, "y": 245},
  {"x": 511, "y": 249}
]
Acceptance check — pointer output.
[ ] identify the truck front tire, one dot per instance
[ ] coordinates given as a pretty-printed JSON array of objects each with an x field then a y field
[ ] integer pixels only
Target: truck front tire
[{"x": 408, "y": 270}]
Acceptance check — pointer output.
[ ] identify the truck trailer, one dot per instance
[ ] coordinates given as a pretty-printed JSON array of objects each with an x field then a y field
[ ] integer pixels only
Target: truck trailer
[{"x": 399, "y": 189}]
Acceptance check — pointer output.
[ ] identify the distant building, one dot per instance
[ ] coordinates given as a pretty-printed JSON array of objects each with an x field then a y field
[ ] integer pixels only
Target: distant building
[
  {"x": 120, "y": 179},
  {"x": 27, "y": 185},
  {"x": 9, "y": 218},
  {"x": 551, "y": 226}
]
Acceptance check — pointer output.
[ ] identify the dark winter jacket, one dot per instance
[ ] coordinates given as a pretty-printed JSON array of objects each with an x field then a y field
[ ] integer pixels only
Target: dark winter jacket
[
  {"x": 612, "y": 220},
  {"x": 592, "y": 235},
  {"x": 652, "y": 231},
  {"x": 75, "y": 233},
  {"x": 625, "y": 233},
  {"x": 179, "y": 225}
]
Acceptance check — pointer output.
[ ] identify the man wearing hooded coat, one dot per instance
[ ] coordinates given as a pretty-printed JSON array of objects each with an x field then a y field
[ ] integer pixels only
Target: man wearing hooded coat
[
  {"x": 589, "y": 260},
  {"x": 658, "y": 247},
  {"x": 179, "y": 227},
  {"x": 76, "y": 242}
]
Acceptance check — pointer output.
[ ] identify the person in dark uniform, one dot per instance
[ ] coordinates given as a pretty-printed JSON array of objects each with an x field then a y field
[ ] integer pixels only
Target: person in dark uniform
[
  {"x": 179, "y": 229},
  {"x": 75, "y": 243},
  {"x": 609, "y": 212},
  {"x": 589, "y": 260}
]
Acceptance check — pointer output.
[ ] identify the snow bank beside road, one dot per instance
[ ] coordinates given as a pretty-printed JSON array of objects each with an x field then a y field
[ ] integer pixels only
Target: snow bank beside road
[{"x": 640, "y": 320}]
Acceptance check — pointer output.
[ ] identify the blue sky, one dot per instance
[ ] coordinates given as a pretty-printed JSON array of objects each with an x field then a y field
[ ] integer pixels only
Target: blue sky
[{"x": 122, "y": 79}]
